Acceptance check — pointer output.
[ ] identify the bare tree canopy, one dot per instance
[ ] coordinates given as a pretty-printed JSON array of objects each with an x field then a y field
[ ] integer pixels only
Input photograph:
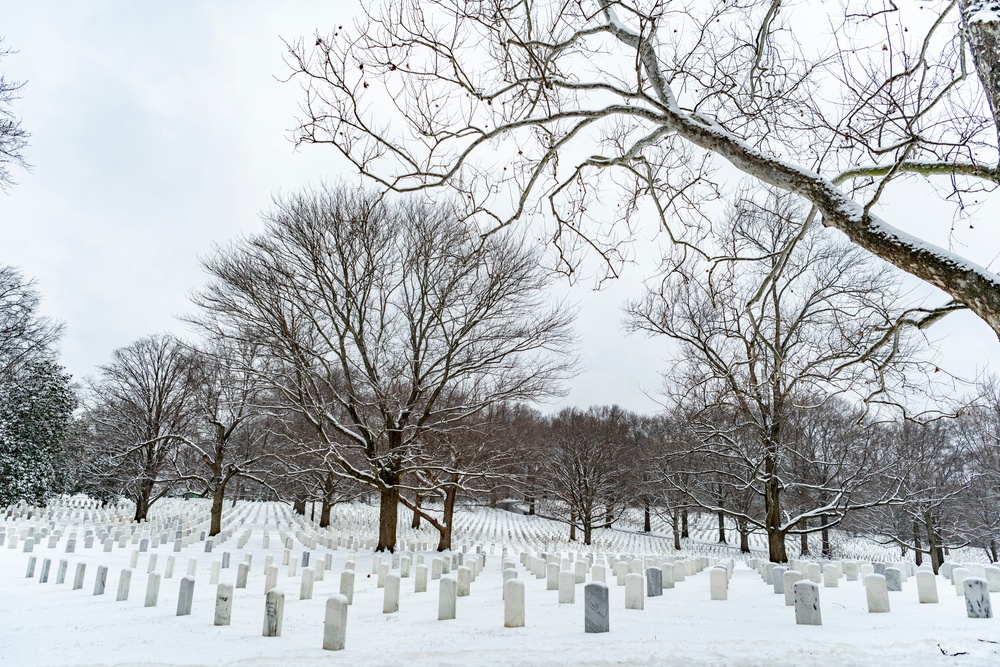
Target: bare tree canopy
[
  {"x": 13, "y": 137},
  {"x": 25, "y": 336},
  {"x": 381, "y": 322},
  {"x": 139, "y": 407},
  {"x": 781, "y": 319},
  {"x": 540, "y": 106}
]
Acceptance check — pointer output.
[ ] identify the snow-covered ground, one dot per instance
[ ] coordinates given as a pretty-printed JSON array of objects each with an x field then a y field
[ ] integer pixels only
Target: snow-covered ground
[{"x": 51, "y": 624}]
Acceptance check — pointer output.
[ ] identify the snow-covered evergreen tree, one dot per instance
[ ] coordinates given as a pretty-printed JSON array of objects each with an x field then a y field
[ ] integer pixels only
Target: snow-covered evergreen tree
[{"x": 36, "y": 408}]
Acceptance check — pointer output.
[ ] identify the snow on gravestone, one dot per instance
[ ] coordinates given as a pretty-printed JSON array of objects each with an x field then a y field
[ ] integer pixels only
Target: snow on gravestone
[
  {"x": 893, "y": 579},
  {"x": 666, "y": 575},
  {"x": 654, "y": 581},
  {"x": 101, "y": 580},
  {"x": 992, "y": 574},
  {"x": 977, "y": 598},
  {"x": 596, "y": 608},
  {"x": 347, "y": 585},
  {"x": 877, "y": 593},
  {"x": 620, "y": 569},
  {"x": 242, "y": 571},
  {"x": 718, "y": 581},
  {"x": 634, "y": 598},
  {"x": 778, "y": 579},
  {"x": 390, "y": 600},
  {"x": 152, "y": 590},
  {"x": 124, "y": 582},
  {"x": 567, "y": 588},
  {"x": 186, "y": 596},
  {"x": 508, "y": 574},
  {"x": 464, "y": 581},
  {"x": 420, "y": 579},
  {"x": 581, "y": 571},
  {"x": 807, "y": 603},
  {"x": 958, "y": 576},
  {"x": 223, "y": 604},
  {"x": 274, "y": 611},
  {"x": 831, "y": 576},
  {"x": 447, "y": 599},
  {"x": 270, "y": 577},
  {"x": 927, "y": 587},
  {"x": 335, "y": 623},
  {"x": 552, "y": 577},
  {"x": 513, "y": 601}
]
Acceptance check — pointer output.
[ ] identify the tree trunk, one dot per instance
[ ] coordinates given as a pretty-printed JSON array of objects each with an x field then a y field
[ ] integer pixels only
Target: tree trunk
[
  {"x": 588, "y": 530},
  {"x": 933, "y": 545},
  {"x": 299, "y": 505},
  {"x": 993, "y": 551},
  {"x": 324, "y": 512},
  {"x": 448, "y": 513},
  {"x": 142, "y": 501},
  {"x": 608, "y": 517},
  {"x": 684, "y": 523},
  {"x": 804, "y": 537},
  {"x": 776, "y": 547},
  {"x": 531, "y": 505},
  {"x": 647, "y": 524},
  {"x": 742, "y": 526},
  {"x": 918, "y": 557},
  {"x": 772, "y": 512},
  {"x": 722, "y": 527},
  {"x": 388, "y": 515},
  {"x": 218, "y": 500},
  {"x": 983, "y": 35},
  {"x": 141, "y": 508},
  {"x": 417, "y": 499},
  {"x": 572, "y": 527},
  {"x": 675, "y": 529},
  {"x": 312, "y": 512},
  {"x": 826, "y": 550}
]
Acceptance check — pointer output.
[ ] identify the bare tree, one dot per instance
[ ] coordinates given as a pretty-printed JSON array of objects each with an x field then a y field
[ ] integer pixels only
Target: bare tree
[
  {"x": 979, "y": 432},
  {"x": 932, "y": 482},
  {"x": 25, "y": 335},
  {"x": 13, "y": 137},
  {"x": 140, "y": 407},
  {"x": 229, "y": 433},
  {"x": 384, "y": 322},
  {"x": 644, "y": 96},
  {"x": 468, "y": 458},
  {"x": 779, "y": 320},
  {"x": 588, "y": 470}
]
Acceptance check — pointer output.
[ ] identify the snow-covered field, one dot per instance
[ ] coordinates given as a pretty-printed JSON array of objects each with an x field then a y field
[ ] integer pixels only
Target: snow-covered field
[{"x": 51, "y": 624}]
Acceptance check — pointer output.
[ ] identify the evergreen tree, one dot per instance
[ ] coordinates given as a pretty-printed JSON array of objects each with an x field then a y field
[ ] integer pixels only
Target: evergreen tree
[{"x": 36, "y": 409}]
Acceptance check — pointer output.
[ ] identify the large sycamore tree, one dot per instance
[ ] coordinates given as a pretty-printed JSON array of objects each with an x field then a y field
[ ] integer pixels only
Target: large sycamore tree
[
  {"x": 384, "y": 323},
  {"x": 542, "y": 106}
]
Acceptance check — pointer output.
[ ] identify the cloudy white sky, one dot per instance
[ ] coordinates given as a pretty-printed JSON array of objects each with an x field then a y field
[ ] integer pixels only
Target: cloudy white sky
[{"x": 160, "y": 129}]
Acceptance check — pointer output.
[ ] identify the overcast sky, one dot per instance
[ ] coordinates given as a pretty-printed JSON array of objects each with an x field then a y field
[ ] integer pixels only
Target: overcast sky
[{"x": 160, "y": 129}]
